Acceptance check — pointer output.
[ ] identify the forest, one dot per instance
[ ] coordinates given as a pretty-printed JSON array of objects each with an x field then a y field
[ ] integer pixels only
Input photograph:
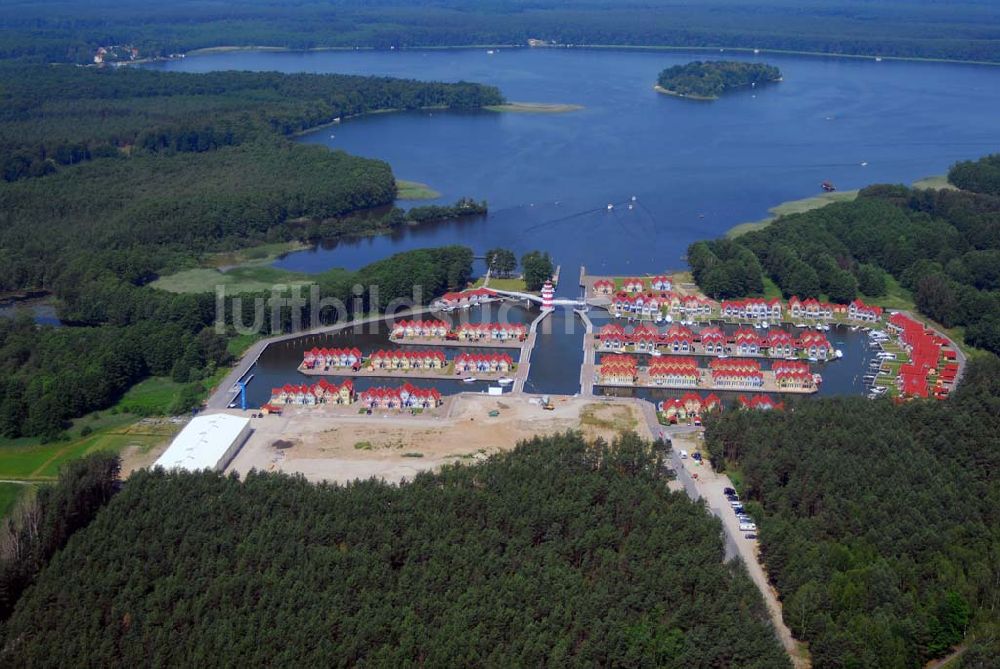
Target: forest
[
  {"x": 65, "y": 31},
  {"x": 113, "y": 177},
  {"x": 941, "y": 245},
  {"x": 880, "y": 524},
  {"x": 562, "y": 552},
  {"x": 50, "y": 375},
  {"x": 708, "y": 80}
]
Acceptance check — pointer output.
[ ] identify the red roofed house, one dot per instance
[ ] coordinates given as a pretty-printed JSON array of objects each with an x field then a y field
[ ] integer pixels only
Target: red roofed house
[
  {"x": 618, "y": 370},
  {"x": 736, "y": 373},
  {"x": 713, "y": 340},
  {"x": 793, "y": 375},
  {"x": 814, "y": 345},
  {"x": 484, "y": 363},
  {"x": 678, "y": 339},
  {"x": 747, "y": 342},
  {"x": 780, "y": 344},
  {"x": 645, "y": 337},
  {"x": 682, "y": 372},
  {"x": 859, "y": 311},
  {"x": 634, "y": 285},
  {"x": 604, "y": 287},
  {"x": 661, "y": 283},
  {"x": 672, "y": 409}
]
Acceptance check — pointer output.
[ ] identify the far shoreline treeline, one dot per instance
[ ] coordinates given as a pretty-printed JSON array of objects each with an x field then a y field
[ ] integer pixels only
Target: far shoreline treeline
[{"x": 709, "y": 80}]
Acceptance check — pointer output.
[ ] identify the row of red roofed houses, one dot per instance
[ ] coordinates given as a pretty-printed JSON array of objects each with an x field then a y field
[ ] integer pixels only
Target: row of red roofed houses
[
  {"x": 492, "y": 332},
  {"x": 789, "y": 374},
  {"x": 327, "y": 358},
  {"x": 634, "y": 285},
  {"x": 674, "y": 372},
  {"x": 746, "y": 341},
  {"x": 758, "y": 308},
  {"x": 399, "y": 359},
  {"x": 691, "y": 405},
  {"x": 492, "y": 363},
  {"x": 465, "y": 298},
  {"x": 618, "y": 369},
  {"x": 731, "y": 373},
  {"x": 654, "y": 305},
  {"x": 321, "y": 392},
  {"x": 417, "y": 329},
  {"x": 926, "y": 350},
  {"x": 403, "y": 397}
]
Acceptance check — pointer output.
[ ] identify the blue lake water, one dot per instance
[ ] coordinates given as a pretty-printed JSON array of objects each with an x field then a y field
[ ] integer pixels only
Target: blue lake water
[{"x": 695, "y": 168}]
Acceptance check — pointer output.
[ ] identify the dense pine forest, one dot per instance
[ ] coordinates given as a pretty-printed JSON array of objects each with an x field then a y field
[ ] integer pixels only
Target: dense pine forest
[
  {"x": 58, "y": 30},
  {"x": 708, "y": 80},
  {"x": 941, "y": 245},
  {"x": 559, "y": 553},
  {"x": 880, "y": 523}
]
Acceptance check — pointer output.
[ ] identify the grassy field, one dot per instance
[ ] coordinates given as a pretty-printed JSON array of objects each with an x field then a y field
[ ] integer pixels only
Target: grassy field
[
  {"x": 515, "y": 284},
  {"x": 939, "y": 182},
  {"x": 533, "y": 108},
  {"x": 261, "y": 255},
  {"x": 243, "y": 279},
  {"x": 608, "y": 417},
  {"x": 30, "y": 460},
  {"x": 154, "y": 396},
  {"x": 414, "y": 190}
]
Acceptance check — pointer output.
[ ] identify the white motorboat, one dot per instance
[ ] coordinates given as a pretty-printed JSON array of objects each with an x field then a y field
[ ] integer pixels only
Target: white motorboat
[
  {"x": 469, "y": 379},
  {"x": 838, "y": 353},
  {"x": 505, "y": 381}
]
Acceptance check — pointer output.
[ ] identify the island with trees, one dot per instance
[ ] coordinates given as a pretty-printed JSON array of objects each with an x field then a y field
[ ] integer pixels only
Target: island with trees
[{"x": 709, "y": 80}]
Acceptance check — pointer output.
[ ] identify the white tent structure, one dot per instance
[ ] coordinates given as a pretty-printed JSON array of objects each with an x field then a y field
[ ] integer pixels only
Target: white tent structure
[{"x": 207, "y": 442}]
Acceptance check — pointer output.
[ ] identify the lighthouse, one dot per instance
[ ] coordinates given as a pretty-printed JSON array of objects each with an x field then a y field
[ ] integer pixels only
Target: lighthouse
[{"x": 548, "y": 292}]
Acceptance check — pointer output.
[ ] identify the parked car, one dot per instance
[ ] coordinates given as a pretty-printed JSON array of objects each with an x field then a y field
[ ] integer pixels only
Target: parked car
[
  {"x": 684, "y": 455},
  {"x": 728, "y": 491},
  {"x": 696, "y": 457},
  {"x": 750, "y": 535},
  {"x": 738, "y": 510},
  {"x": 747, "y": 527}
]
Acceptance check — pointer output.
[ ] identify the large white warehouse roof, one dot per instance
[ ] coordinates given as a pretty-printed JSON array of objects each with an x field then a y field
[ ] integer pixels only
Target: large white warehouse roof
[{"x": 207, "y": 442}]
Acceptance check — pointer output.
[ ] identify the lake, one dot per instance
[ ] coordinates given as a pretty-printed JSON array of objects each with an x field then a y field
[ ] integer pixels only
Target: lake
[{"x": 696, "y": 169}]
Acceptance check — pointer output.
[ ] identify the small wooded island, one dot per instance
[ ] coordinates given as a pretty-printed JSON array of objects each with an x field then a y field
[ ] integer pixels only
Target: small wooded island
[{"x": 708, "y": 80}]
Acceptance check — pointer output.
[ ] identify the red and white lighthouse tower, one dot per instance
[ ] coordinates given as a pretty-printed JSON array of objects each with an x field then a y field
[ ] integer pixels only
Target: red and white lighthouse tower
[{"x": 548, "y": 293}]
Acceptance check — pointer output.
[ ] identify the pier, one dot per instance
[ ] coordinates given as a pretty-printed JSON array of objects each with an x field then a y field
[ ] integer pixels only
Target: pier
[
  {"x": 588, "y": 369},
  {"x": 524, "y": 362}
]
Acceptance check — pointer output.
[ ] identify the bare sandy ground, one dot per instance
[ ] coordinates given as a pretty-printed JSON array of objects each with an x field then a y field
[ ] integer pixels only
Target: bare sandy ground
[{"x": 337, "y": 447}]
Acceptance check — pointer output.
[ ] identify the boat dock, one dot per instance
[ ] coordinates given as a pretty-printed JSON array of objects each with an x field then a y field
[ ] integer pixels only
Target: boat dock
[
  {"x": 524, "y": 362},
  {"x": 588, "y": 369}
]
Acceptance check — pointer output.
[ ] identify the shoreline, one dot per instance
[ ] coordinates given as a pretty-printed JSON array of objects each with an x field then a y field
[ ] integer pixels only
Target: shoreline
[
  {"x": 802, "y": 205},
  {"x": 758, "y": 51},
  {"x": 533, "y": 108},
  {"x": 683, "y": 96}
]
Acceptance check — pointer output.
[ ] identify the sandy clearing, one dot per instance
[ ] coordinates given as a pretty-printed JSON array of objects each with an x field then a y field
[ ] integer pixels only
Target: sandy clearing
[{"x": 340, "y": 448}]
